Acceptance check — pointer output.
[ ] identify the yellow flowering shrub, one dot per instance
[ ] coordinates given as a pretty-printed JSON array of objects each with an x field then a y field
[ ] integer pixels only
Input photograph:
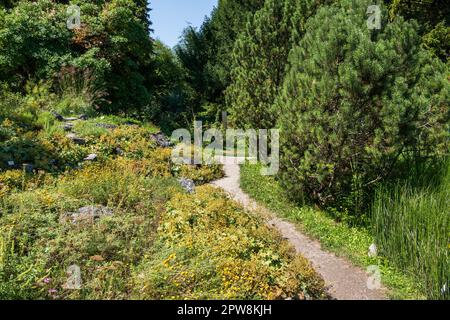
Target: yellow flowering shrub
[
  {"x": 210, "y": 247},
  {"x": 118, "y": 183}
]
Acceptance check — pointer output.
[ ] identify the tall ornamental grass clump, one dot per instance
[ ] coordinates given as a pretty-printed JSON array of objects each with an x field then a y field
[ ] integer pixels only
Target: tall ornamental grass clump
[{"x": 412, "y": 227}]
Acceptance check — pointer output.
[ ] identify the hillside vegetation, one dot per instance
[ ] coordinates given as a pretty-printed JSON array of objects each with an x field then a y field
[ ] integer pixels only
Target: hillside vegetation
[
  {"x": 130, "y": 227},
  {"x": 364, "y": 122}
]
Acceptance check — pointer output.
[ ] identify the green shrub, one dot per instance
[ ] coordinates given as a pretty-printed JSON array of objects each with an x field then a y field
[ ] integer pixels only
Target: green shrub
[
  {"x": 112, "y": 43},
  {"x": 200, "y": 175},
  {"x": 118, "y": 182},
  {"x": 89, "y": 129},
  {"x": 80, "y": 92},
  {"x": 355, "y": 100}
]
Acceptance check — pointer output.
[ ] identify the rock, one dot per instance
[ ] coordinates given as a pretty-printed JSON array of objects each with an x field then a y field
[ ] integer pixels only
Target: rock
[
  {"x": 28, "y": 167},
  {"x": 71, "y": 119},
  {"x": 106, "y": 126},
  {"x": 188, "y": 185},
  {"x": 161, "y": 140},
  {"x": 373, "y": 251},
  {"x": 68, "y": 126},
  {"x": 58, "y": 116},
  {"x": 91, "y": 157},
  {"x": 83, "y": 117},
  {"x": 87, "y": 214},
  {"x": 75, "y": 139}
]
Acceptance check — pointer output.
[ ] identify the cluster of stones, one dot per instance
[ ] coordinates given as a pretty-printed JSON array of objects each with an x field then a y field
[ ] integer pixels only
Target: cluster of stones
[{"x": 68, "y": 127}]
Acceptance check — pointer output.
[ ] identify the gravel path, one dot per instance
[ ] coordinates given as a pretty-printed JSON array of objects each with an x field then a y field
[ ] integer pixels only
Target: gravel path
[{"x": 345, "y": 281}]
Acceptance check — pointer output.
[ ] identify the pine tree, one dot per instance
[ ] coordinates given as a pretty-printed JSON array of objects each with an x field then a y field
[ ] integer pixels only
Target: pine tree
[
  {"x": 259, "y": 60},
  {"x": 355, "y": 100},
  {"x": 227, "y": 22}
]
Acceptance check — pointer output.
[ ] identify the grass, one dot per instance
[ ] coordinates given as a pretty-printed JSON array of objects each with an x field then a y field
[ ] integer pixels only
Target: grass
[
  {"x": 412, "y": 227},
  {"x": 350, "y": 242}
]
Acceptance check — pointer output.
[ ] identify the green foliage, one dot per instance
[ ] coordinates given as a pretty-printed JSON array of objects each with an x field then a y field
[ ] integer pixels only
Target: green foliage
[
  {"x": 194, "y": 54},
  {"x": 411, "y": 225},
  {"x": 208, "y": 247},
  {"x": 353, "y": 102},
  {"x": 437, "y": 41},
  {"x": 205, "y": 54},
  {"x": 33, "y": 38},
  {"x": 40, "y": 246}
]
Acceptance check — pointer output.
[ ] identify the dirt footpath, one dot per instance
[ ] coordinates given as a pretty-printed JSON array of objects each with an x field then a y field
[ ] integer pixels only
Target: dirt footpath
[{"x": 345, "y": 281}]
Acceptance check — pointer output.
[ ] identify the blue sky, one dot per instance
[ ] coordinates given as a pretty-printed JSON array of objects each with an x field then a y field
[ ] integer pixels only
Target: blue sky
[{"x": 170, "y": 17}]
